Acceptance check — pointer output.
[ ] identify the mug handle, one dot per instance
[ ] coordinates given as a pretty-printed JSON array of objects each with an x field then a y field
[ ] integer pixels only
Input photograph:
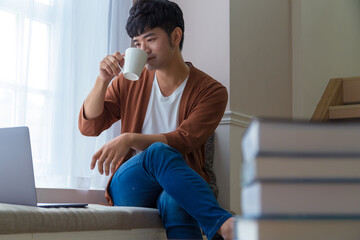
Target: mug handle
[{"x": 122, "y": 70}]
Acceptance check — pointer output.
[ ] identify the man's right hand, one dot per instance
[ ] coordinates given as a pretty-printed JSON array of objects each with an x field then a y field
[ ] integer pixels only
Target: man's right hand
[{"x": 109, "y": 67}]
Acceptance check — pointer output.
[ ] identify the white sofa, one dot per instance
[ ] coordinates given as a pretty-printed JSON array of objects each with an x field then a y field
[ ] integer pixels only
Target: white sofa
[
  {"x": 97, "y": 221},
  {"x": 94, "y": 222}
]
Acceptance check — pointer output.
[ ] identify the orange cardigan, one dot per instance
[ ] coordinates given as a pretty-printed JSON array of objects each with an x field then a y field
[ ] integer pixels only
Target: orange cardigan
[{"x": 201, "y": 108}]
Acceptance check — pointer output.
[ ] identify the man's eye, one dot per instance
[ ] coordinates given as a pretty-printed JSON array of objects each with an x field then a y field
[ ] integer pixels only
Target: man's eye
[{"x": 151, "y": 39}]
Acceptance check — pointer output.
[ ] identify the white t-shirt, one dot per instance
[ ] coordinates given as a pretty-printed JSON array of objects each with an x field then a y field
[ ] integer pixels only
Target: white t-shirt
[{"x": 162, "y": 114}]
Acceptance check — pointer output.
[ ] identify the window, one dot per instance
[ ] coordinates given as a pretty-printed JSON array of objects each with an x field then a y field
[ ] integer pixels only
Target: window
[
  {"x": 49, "y": 56},
  {"x": 25, "y": 94}
]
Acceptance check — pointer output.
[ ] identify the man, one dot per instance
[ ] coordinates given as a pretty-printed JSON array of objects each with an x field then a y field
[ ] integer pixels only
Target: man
[{"x": 166, "y": 118}]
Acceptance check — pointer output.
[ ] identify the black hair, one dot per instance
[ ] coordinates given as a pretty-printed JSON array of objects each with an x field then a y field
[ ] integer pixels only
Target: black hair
[{"x": 148, "y": 14}]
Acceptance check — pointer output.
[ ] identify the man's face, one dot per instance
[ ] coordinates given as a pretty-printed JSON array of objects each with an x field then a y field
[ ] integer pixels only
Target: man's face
[{"x": 157, "y": 45}]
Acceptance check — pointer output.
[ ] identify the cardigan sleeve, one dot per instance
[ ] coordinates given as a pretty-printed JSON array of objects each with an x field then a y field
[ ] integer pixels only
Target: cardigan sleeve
[
  {"x": 203, "y": 116},
  {"x": 110, "y": 114}
]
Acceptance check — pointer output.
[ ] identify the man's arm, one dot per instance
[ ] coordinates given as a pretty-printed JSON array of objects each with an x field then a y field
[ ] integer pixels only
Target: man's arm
[
  {"x": 94, "y": 103},
  {"x": 110, "y": 154},
  {"x": 201, "y": 120},
  {"x": 109, "y": 68}
]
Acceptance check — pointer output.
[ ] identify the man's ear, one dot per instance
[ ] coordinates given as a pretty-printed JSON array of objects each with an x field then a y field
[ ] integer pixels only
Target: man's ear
[{"x": 176, "y": 36}]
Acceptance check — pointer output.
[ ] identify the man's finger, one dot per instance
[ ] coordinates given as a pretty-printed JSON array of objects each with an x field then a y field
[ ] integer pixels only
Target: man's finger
[
  {"x": 104, "y": 156},
  {"x": 113, "y": 165},
  {"x": 95, "y": 158},
  {"x": 116, "y": 63},
  {"x": 119, "y": 57},
  {"x": 107, "y": 164},
  {"x": 112, "y": 66},
  {"x": 105, "y": 66}
]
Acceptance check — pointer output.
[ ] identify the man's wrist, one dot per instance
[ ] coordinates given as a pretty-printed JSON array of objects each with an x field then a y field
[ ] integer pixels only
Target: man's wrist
[
  {"x": 140, "y": 141},
  {"x": 129, "y": 138},
  {"x": 103, "y": 83}
]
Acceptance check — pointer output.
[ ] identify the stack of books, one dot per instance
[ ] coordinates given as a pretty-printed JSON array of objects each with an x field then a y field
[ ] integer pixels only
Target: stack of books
[{"x": 301, "y": 180}]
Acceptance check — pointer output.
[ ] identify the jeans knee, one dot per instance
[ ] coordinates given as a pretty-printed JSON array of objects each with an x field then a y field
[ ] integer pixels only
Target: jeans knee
[
  {"x": 159, "y": 159},
  {"x": 161, "y": 150},
  {"x": 158, "y": 147}
]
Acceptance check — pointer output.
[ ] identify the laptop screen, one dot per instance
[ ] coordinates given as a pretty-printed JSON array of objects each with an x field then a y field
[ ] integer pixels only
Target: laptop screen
[{"x": 17, "y": 184}]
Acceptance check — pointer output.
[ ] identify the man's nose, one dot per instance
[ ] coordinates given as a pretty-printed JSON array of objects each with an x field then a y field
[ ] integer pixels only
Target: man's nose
[{"x": 145, "y": 48}]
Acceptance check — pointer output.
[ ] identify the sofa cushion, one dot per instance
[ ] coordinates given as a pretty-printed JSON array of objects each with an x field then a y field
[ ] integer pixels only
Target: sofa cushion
[
  {"x": 26, "y": 219},
  {"x": 209, "y": 161}
]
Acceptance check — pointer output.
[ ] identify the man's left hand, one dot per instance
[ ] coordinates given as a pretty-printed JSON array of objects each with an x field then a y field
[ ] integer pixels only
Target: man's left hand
[{"x": 111, "y": 153}]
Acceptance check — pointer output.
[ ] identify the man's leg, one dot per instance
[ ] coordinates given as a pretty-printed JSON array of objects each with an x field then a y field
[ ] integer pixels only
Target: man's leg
[
  {"x": 131, "y": 185},
  {"x": 140, "y": 180},
  {"x": 177, "y": 222},
  {"x": 190, "y": 191}
]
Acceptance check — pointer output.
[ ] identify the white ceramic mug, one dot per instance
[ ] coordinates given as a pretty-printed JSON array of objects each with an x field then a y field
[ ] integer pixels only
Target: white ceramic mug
[{"x": 135, "y": 60}]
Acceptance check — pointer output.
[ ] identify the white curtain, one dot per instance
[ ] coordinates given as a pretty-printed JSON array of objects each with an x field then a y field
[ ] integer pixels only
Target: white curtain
[{"x": 54, "y": 71}]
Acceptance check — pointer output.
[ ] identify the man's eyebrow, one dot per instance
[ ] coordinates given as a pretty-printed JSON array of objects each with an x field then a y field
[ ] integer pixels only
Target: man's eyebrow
[{"x": 149, "y": 35}]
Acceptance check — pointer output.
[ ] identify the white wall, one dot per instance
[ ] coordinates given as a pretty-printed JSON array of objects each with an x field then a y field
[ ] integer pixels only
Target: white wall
[
  {"x": 326, "y": 37},
  {"x": 260, "y": 57},
  {"x": 207, "y": 37}
]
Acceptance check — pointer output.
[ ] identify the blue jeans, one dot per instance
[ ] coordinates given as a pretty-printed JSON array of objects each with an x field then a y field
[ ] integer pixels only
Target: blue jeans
[{"x": 159, "y": 177}]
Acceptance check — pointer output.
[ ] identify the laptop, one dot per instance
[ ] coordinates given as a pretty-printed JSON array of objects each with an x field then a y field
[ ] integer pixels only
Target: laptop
[{"x": 17, "y": 182}]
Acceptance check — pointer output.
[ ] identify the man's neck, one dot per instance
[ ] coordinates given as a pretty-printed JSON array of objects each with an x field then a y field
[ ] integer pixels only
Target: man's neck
[{"x": 171, "y": 77}]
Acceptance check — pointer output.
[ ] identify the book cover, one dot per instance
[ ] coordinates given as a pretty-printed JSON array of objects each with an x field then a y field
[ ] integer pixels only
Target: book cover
[
  {"x": 301, "y": 198},
  {"x": 299, "y": 168},
  {"x": 300, "y": 138},
  {"x": 297, "y": 229}
]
